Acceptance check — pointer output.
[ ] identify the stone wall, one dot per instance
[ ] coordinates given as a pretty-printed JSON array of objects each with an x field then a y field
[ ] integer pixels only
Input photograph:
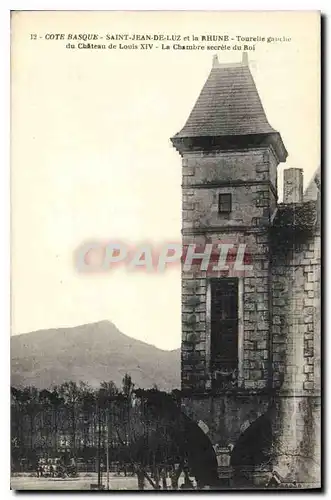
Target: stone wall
[
  {"x": 250, "y": 176},
  {"x": 296, "y": 357},
  {"x": 227, "y": 416},
  {"x": 279, "y": 304},
  {"x": 296, "y": 316}
]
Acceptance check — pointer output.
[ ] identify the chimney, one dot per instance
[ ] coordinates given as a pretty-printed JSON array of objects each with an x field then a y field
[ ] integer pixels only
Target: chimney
[
  {"x": 244, "y": 59},
  {"x": 215, "y": 61},
  {"x": 293, "y": 185}
]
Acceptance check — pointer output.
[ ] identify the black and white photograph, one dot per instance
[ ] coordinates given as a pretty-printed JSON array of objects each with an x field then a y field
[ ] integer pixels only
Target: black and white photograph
[{"x": 165, "y": 250}]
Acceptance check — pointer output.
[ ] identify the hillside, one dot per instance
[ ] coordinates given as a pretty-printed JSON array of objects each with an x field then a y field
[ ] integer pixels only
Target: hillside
[{"x": 92, "y": 353}]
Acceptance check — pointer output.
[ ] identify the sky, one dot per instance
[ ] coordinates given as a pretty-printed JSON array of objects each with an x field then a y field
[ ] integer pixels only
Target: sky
[{"x": 92, "y": 157}]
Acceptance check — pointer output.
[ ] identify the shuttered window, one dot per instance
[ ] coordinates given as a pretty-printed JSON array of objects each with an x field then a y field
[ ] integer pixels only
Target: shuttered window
[
  {"x": 224, "y": 324},
  {"x": 224, "y": 203}
]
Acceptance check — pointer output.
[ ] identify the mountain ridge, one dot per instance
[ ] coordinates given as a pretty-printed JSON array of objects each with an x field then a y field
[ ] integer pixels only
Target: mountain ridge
[{"x": 92, "y": 353}]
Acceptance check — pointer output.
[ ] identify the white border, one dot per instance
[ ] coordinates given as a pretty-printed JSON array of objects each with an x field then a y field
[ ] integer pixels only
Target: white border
[{"x": 5, "y": 7}]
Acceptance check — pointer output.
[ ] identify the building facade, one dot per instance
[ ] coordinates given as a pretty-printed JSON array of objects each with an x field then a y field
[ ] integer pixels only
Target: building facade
[{"x": 250, "y": 334}]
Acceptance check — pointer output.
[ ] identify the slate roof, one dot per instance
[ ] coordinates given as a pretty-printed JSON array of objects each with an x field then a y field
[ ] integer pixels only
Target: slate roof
[{"x": 228, "y": 105}]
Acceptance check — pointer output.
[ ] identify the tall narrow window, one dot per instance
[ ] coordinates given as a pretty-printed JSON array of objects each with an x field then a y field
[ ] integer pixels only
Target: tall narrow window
[
  {"x": 224, "y": 203},
  {"x": 224, "y": 325}
]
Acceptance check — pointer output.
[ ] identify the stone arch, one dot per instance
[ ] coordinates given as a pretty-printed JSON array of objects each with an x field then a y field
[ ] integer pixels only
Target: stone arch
[
  {"x": 200, "y": 452},
  {"x": 187, "y": 442},
  {"x": 252, "y": 450}
]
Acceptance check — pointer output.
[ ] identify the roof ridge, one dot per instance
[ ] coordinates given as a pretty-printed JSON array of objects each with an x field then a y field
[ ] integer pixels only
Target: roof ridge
[{"x": 242, "y": 63}]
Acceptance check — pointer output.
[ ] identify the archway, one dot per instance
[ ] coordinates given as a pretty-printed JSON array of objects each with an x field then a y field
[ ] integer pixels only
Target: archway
[
  {"x": 252, "y": 450},
  {"x": 166, "y": 436}
]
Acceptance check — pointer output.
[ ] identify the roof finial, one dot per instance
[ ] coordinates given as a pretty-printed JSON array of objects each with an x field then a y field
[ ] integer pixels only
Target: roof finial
[
  {"x": 245, "y": 59},
  {"x": 215, "y": 61}
]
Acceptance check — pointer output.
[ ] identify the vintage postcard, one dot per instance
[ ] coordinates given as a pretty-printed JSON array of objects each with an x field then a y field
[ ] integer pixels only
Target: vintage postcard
[{"x": 166, "y": 239}]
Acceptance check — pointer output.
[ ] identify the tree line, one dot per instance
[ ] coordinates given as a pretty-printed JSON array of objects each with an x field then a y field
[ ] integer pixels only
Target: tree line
[
  {"x": 144, "y": 430},
  {"x": 77, "y": 420},
  {"x": 70, "y": 418}
]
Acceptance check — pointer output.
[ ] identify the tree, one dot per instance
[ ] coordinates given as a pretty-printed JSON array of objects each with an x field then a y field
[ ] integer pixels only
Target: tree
[
  {"x": 45, "y": 419},
  {"x": 56, "y": 401},
  {"x": 87, "y": 407},
  {"x": 30, "y": 398},
  {"x": 70, "y": 393},
  {"x": 107, "y": 394},
  {"x": 17, "y": 429},
  {"x": 127, "y": 386}
]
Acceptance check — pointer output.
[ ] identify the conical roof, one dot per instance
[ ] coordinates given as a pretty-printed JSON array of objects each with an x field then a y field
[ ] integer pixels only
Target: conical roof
[{"x": 228, "y": 106}]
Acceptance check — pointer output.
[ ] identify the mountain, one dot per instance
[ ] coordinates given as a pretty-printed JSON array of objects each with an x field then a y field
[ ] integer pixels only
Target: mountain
[{"x": 91, "y": 353}]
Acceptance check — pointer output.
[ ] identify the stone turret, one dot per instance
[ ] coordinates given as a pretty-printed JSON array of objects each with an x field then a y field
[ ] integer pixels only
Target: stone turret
[
  {"x": 248, "y": 365},
  {"x": 230, "y": 155}
]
